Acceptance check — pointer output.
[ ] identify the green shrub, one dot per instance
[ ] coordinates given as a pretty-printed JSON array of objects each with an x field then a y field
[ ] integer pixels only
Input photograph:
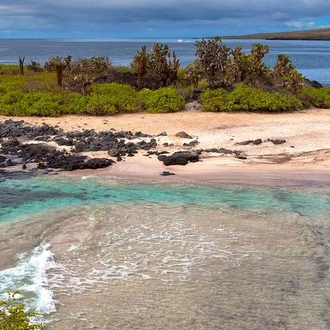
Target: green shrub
[
  {"x": 31, "y": 104},
  {"x": 43, "y": 104},
  {"x": 74, "y": 103},
  {"x": 13, "y": 315},
  {"x": 162, "y": 100},
  {"x": 215, "y": 100},
  {"x": 109, "y": 99},
  {"x": 9, "y": 101},
  {"x": 315, "y": 97},
  {"x": 245, "y": 98}
]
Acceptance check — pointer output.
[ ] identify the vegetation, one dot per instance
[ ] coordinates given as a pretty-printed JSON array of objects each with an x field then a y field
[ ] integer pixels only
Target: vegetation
[
  {"x": 245, "y": 98},
  {"x": 221, "y": 78},
  {"x": 109, "y": 99},
  {"x": 157, "y": 68},
  {"x": 13, "y": 314},
  {"x": 314, "y": 34},
  {"x": 162, "y": 100}
]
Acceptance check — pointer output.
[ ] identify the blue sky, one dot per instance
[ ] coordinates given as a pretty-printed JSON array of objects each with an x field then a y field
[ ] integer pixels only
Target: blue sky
[{"x": 115, "y": 19}]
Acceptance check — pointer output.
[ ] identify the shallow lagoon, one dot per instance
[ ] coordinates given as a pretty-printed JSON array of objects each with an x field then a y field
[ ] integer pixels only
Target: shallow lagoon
[{"x": 107, "y": 254}]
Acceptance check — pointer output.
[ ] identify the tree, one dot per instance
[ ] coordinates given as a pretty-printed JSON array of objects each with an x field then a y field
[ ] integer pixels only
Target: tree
[
  {"x": 159, "y": 67},
  {"x": 58, "y": 65},
  {"x": 286, "y": 76},
  {"x": 21, "y": 65},
  {"x": 213, "y": 56},
  {"x": 238, "y": 66},
  {"x": 258, "y": 70},
  {"x": 13, "y": 315},
  {"x": 248, "y": 68},
  {"x": 193, "y": 73},
  {"x": 140, "y": 62},
  {"x": 83, "y": 72}
]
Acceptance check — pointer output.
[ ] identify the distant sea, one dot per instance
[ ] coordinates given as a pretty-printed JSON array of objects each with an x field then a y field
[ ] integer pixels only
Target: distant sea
[{"x": 311, "y": 58}]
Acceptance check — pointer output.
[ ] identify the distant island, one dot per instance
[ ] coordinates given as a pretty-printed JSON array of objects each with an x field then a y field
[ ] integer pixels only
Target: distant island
[{"x": 315, "y": 34}]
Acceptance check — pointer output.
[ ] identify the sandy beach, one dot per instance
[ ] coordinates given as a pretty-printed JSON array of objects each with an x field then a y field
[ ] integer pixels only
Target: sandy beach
[
  {"x": 304, "y": 156},
  {"x": 191, "y": 256}
]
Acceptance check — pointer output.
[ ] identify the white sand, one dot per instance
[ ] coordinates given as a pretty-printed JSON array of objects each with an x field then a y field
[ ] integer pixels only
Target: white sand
[{"x": 304, "y": 156}]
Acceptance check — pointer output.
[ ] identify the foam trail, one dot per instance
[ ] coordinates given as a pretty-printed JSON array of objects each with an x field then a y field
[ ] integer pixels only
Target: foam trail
[{"x": 30, "y": 278}]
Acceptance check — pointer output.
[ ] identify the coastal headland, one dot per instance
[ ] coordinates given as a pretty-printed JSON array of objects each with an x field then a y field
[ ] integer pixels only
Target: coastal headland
[{"x": 247, "y": 148}]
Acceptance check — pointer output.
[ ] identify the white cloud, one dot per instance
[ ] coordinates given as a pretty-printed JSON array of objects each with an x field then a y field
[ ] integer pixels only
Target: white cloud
[{"x": 300, "y": 25}]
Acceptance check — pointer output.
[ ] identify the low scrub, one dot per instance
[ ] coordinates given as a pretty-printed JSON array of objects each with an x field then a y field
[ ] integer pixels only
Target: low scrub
[
  {"x": 315, "y": 97},
  {"x": 245, "y": 98},
  {"x": 31, "y": 104},
  {"x": 162, "y": 100},
  {"x": 109, "y": 99}
]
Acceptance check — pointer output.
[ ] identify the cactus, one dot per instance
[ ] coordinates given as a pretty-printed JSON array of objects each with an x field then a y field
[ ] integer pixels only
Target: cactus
[{"x": 21, "y": 65}]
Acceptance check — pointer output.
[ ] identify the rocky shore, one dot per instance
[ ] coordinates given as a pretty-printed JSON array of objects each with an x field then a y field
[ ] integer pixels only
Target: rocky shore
[
  {"x": 26, "y": 149},
  {"x": 144, "y": 146}
]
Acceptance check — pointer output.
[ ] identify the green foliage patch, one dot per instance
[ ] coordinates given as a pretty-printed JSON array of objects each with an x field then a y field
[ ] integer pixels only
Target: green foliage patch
[
  {"x": 315, "y": 97},
  {"x": 13, "y": 314},
  {"x": 245, "y": 98},
  {"x": 162, "y": 100},
  {"x": 109, "y": 99},
  {"x": 18, "y": 103}
]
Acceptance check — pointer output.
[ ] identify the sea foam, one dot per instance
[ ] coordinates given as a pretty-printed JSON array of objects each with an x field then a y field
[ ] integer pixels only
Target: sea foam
[{"x": 30, "y": 278}]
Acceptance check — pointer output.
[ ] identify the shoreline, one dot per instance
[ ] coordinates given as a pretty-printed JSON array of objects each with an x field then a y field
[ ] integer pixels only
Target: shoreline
[{"x": 303, "y": 158}]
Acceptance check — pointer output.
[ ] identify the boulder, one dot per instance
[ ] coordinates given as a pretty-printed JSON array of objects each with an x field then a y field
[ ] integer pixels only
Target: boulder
[
  {"x": 179, "y": 158},
  {"x": 183, "y": 135}
]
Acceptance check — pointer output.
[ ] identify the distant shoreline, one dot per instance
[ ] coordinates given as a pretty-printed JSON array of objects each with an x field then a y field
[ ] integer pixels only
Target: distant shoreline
[{"x": 308, "y": 35}]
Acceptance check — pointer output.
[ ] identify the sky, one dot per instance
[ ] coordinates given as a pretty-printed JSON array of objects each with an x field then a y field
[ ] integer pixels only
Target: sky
[{"x": 118, "y": 19}]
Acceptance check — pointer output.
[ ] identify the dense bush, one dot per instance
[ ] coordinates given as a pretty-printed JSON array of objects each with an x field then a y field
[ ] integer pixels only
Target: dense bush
[
  {"x": 109, "y": 99},
  {"x": 214, "y": 100},
  {"x": 315, "y": 97},
  {"x": 74, "y": 103},
  {"x": 245, "y": 98},
  {"x": 162, "y": 100},
  {"x": 31, "y": 104}
]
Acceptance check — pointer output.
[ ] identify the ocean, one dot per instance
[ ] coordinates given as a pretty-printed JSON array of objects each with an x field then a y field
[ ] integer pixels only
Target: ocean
[
  {"x": 103, "y": 253},
  {"x": 311, "y": 58}
]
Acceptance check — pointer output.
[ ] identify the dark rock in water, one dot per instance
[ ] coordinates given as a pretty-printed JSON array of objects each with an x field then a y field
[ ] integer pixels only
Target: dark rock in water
[
  {"x": 179, "y": 158},
  {"x": 183, "y": 135},
  {"x": 167, "y": 173}
]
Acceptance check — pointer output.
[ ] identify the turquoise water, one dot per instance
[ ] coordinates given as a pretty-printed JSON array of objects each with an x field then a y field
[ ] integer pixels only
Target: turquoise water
[
  {"x": 95, "y": 253},
  {"x": 27, "y": 197}
]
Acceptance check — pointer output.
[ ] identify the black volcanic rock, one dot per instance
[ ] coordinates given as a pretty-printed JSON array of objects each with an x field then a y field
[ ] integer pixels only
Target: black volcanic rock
[{"x": 179, "y": 158}]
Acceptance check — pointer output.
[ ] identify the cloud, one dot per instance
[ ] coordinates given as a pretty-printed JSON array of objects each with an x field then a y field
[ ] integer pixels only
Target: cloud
[
  {"x": 301, "y": 25},
  {"x": 158, "y": 18}
]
